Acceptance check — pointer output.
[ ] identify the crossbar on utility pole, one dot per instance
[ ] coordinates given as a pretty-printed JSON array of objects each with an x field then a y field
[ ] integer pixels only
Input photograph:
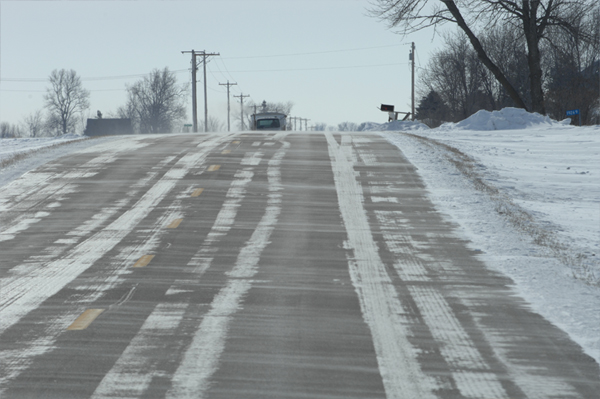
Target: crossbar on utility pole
[
  {"x": 241, "y": 97},
  {"x": 228, "y": 109}
]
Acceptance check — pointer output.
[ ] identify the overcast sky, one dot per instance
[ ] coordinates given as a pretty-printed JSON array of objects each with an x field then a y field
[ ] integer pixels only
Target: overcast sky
[{"x": 332, "y": 60}]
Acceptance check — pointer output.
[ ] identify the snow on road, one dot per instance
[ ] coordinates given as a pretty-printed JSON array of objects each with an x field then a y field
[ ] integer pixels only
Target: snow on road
[
  {"x": 29, "y": 286},
  {"x": 547, "y": 177},
  {"x": 545, "y": 174}
]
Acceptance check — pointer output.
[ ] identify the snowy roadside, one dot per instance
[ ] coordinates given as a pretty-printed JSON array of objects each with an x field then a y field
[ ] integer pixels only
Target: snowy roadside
[
  {"x": 527, "y": 197},
  {"x": 19, "y": 156},
  {"x": 14, "y": 147}
]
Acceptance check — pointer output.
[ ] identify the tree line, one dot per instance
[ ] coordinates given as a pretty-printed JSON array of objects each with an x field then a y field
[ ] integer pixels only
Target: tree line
[
  {"x": 540, "y": 55},
  {"x": 155, "y": 104}
]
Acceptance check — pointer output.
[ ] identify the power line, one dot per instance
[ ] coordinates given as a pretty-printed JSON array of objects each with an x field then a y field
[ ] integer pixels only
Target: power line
[
  {"x": 322, "y": 68},
  {"x": 224, "y": 66},
  {"x": 117, "y": 77},
  {"x": 316, "y": 52},
  {"x": 44, "y": 91},
  {"x": 38, "y": 80}
]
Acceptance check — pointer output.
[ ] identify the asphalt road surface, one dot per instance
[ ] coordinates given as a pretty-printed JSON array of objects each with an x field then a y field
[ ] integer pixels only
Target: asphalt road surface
[{"x": 257, "y": 265}]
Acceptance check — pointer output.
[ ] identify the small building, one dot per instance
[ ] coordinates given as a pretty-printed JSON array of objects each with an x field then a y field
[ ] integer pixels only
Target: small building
[{"x": 108, "y": 127}]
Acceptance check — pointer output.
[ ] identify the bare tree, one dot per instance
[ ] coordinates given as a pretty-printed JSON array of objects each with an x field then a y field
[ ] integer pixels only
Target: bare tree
[
  {"x": 8, "y": 130},
  {"x": 458, "y": 76},
  {"x": 282, "y": 107},
  {"x": 347, "y": 127},
  {"x": 156, "y": 104},
  {"x": 33, "y": 124},
  {"x": 506, "y": 47},
  {"x": 214, "y": 124},
  {"x": 531, "y": 17},
  {"x": 65, "y": 98},
  {"x": 572, "y": 67},
  {"x": 320, "y": 127},
  {"x": 432, "y": 110}
]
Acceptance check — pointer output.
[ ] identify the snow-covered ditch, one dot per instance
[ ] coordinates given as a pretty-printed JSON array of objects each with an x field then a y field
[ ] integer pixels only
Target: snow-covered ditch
[
  {"x": 525, "y": 191},
  {"x": 20, "y": 155}
]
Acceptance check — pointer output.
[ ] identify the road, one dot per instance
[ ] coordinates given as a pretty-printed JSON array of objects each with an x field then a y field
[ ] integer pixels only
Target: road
[{"x": 257, "y": 265}]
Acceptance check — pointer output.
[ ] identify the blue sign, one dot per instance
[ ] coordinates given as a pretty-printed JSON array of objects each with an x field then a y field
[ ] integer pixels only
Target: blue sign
[{"x": 573, "y": 112}]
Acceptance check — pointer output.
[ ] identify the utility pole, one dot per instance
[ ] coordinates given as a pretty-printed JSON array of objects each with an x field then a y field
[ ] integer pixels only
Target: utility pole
[
  {"x": 194, "y": 102},
  {"x": 241, "y": 97},
  {"x": 412, "y": 88},
  {"x": 228, "y": 84},
  {"x": 195, "y": 54},
  {"x": 204, "y": 55}
]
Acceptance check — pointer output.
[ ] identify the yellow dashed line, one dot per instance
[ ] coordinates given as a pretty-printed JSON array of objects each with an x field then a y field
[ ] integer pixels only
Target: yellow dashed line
[
  {"x": 86, "y": 318},
  {"x": 143, "y": 261},
  {"x": 174, "y": 224},
  {"x": 197, "y": 192},
  {"x": 235, "y": 142},
  {"x": 213, "y": 168},
  {"x": 226, "y": 152}
]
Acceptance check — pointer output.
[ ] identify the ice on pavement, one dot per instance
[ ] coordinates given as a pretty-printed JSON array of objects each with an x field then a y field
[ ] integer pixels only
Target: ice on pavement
[
  {"x": 548, "y": 172},
  {"x": 546, "y": 169}
]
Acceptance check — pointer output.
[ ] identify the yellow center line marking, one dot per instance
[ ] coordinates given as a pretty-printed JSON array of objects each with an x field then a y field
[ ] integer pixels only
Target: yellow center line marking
[
  {"x": 143, "y": 261},
  {"x": 174, "y": 224},
  {"x": 85, "y": 319},
  {"x": 197, "y": 192},
  {"x": 235, "y": 142},
  {"x": 226, "y": 152},
  {"x": 213, "y": 168}
]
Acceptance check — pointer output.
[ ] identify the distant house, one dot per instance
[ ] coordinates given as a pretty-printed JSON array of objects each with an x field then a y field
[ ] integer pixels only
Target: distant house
[{"x": 108, "y": 127}]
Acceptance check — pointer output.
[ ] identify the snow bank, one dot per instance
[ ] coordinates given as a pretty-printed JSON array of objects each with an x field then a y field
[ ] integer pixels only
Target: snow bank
[
  {"x": 505, "y": 119},
  {"x": 11, "y": 147},
  {"x": 392, "y": 126},
  {"x": 19, "y": 156}
]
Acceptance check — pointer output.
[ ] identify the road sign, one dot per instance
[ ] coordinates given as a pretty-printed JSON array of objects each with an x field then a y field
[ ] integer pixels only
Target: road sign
[{"x": 573, "y": 112}]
